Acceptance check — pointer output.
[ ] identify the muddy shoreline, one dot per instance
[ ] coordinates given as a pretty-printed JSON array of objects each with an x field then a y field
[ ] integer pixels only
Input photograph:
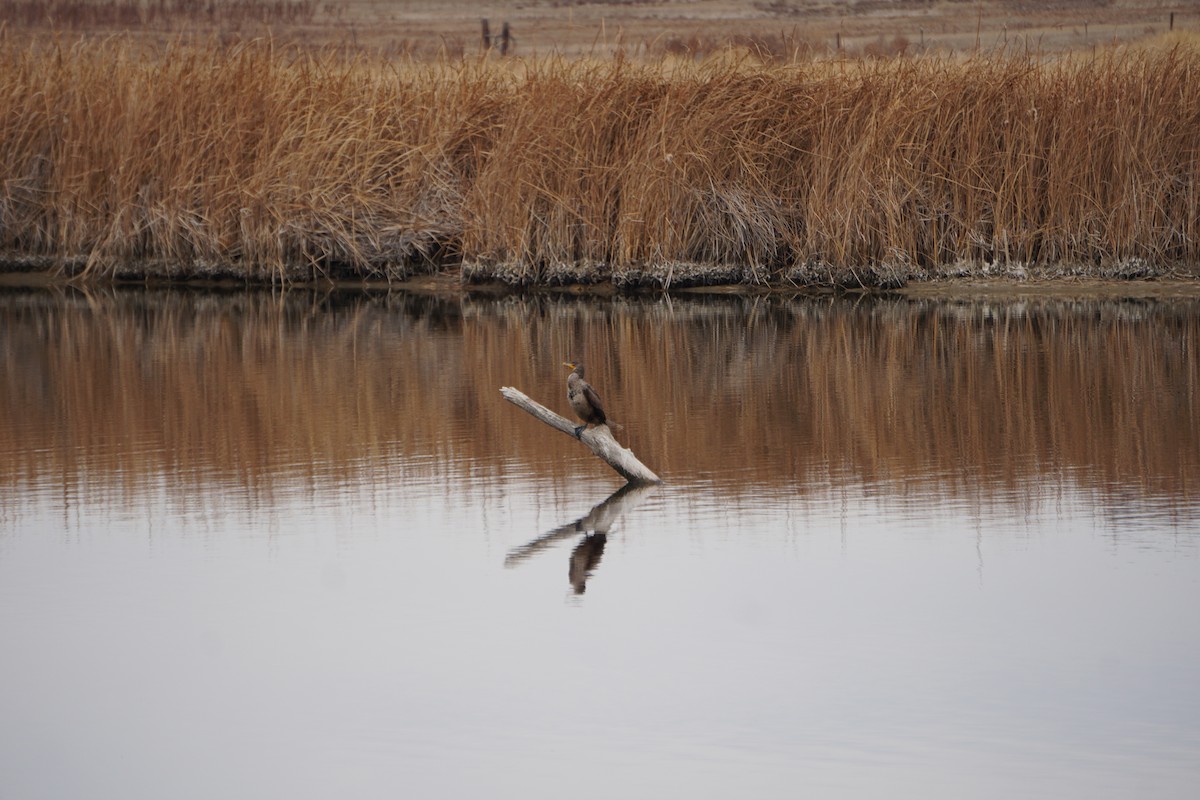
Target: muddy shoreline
[{"x": 451, "y": 282}]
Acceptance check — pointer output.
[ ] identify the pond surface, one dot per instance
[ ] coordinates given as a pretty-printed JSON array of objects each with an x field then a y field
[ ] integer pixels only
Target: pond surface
[{"x": 297, "y": 545}]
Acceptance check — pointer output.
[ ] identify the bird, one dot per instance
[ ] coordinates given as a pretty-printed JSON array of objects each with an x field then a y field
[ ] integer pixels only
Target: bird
[{"x": 583, "y": 398}]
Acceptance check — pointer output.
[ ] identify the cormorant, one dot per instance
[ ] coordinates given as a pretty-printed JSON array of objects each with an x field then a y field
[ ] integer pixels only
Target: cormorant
[{"x": 583, "y": 398}]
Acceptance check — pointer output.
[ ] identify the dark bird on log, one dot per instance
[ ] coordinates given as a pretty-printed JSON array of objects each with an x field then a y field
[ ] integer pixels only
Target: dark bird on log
[{"x": 583, "y": 398}]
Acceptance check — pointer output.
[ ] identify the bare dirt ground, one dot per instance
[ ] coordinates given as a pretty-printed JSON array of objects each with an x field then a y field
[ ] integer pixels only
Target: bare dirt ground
[
  {"x": 780, "y": 28},
  {"x": 579, "y": 27}
]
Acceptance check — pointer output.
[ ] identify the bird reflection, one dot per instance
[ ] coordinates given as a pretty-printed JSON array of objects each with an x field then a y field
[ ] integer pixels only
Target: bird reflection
[
  {"x": 594, "y": 525},
  {"x": 584, "y": 559}
]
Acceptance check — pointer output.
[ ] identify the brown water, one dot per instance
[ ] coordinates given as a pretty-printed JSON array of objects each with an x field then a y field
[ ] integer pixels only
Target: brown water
[{"x": 263, "y": 545}]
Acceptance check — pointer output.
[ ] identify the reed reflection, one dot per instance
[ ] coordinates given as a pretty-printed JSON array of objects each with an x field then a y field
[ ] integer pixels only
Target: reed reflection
[
  {"x": 595, "y": 527},
  {"x": 113, "y": 394}
]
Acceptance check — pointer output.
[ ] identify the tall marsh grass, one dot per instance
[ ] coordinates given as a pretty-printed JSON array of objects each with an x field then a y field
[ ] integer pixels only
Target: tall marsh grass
[{"x": 274, "y": 164}]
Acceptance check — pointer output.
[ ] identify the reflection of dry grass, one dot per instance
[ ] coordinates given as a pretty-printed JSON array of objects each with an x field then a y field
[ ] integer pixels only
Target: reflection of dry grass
[
  {"x": 259, "y": 393},
  {"x": 273, "y": 164}
]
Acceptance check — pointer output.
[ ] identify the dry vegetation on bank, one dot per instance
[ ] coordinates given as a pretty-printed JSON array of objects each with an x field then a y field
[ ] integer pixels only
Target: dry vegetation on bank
[{"x": 268, "y": 163}]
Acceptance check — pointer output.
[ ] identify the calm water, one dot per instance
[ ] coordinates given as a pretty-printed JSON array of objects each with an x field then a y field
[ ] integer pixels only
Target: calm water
[{"x": 258, "y": 545}]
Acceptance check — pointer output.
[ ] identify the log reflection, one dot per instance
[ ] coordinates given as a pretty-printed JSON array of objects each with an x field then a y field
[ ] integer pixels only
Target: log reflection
[{"x": 595, "y": 527}]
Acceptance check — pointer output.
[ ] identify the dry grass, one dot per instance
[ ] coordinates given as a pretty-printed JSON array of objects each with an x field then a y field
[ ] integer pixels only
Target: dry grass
[
  {"x": 271, "y": 163},
  {"x": 246, "y": 162}
]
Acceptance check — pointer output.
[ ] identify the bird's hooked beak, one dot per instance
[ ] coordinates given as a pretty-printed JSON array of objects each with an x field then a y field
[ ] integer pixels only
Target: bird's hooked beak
[{"x": 569, "y": 364}]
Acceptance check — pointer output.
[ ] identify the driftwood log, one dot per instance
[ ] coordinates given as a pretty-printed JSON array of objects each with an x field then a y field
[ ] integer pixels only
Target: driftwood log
[{"x": 599, "y": 439}]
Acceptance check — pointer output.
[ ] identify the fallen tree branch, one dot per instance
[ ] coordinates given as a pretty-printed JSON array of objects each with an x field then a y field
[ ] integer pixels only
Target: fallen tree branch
[{"x": 599, "y": 439}]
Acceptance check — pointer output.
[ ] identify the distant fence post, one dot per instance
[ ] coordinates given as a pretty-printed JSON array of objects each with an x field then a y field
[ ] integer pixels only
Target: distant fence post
[
  {"x": 487, "y": 36},
  {"x": 505, "y": 37},
  {"x": 1171, "y": 26}
]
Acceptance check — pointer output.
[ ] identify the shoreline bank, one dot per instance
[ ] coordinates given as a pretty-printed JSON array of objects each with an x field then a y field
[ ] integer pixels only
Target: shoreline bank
[
  {"x": 449, "y": 282},
  {"x": 278, "y": 167}
]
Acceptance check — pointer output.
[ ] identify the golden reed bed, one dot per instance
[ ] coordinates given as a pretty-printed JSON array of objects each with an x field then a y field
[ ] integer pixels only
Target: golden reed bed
[{"x": 271, "y": 164}]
